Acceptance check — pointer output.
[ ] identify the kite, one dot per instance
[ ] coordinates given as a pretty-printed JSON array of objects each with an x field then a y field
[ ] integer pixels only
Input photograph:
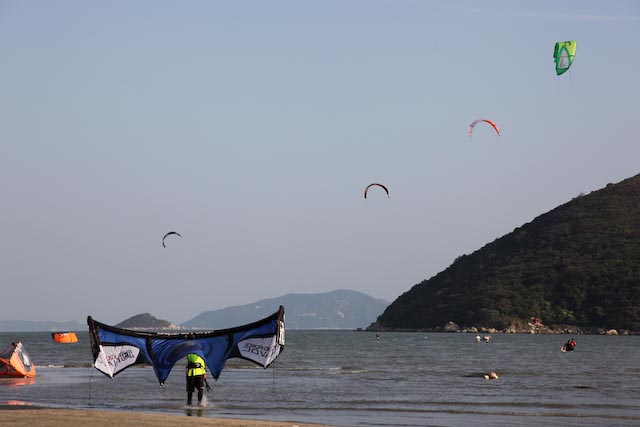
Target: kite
[
  {"x": 115, "y": 349},
  {"x": 473, "y": 123},
  {"x": 65, "y": 337},
  {"x": 563, "y": 54},
  {"x": 168, "y": 234},
  {"x": 15, "y": 362},
  {"x": 379, "y": 185}
]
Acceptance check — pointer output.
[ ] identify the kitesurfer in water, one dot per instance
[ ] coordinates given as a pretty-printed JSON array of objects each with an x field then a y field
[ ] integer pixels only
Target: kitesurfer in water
[
  {"x": 196, "y": 376},
  {"x": 570, "y": 345}
]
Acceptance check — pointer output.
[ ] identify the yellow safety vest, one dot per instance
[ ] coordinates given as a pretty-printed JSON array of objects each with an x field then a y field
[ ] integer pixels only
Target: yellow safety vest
[{"x": 195, "y": 365}]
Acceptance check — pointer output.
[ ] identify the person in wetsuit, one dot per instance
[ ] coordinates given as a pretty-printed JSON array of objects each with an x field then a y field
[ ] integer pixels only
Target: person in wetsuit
[{"x": 196, "y": 375}]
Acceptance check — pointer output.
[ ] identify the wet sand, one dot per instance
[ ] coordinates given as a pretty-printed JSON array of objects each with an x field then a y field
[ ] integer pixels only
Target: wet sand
[{"x": 21, "y": 416}]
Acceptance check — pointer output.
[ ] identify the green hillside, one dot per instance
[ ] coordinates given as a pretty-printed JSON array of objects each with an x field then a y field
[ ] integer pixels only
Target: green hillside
[
  {"x": 575, "y": 265},
  {"x": 144, "y": 321}
]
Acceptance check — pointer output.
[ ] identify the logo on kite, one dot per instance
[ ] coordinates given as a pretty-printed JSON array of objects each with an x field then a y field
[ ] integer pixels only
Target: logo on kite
[
  {"x": 475, "y": 122},
  {"x": 376, "y": 184},
  {"x": 563, "y": 55},
  {"x": 169, "y": 234}
]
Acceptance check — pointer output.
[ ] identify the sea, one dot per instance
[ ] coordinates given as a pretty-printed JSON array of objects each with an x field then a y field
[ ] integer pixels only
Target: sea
[{"x": 350, "y": 378}]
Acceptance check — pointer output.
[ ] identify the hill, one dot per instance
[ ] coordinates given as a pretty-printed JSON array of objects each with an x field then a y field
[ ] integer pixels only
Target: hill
[
  {"x": 340, "y": 309},
  {"x": 575, "y": 265},
  {"x": 145, "y": 321}
]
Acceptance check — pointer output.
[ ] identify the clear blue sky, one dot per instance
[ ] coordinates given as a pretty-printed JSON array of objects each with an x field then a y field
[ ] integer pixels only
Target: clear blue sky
[{"x": 252, "y": 128}]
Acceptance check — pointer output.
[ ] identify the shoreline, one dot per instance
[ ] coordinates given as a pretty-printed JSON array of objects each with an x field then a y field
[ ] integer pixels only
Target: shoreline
[
  {"x": 21, "y": 415},
  {"x": 532, "y": 330}
]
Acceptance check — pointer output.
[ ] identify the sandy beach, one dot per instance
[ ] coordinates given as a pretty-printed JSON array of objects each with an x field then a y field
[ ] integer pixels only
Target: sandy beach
[{"x": 44, "y": 417}]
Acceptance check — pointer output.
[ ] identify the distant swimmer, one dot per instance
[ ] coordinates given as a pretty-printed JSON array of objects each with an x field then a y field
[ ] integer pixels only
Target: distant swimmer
[
  {"x": 486, "y": 338},
  {"x": 377, "y": 335},
  {"x": 491, "y": 376},
  {"x": 478, "y": 338}
]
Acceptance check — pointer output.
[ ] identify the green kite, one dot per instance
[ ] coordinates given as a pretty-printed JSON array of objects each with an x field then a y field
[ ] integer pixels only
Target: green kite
[{"x": 563, "y": 55}]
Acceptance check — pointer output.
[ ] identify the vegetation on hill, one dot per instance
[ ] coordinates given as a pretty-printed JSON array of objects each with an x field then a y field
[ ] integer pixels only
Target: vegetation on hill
[
  {"x": 144, "y": 321},
  {"x": 575, "y": 265}
]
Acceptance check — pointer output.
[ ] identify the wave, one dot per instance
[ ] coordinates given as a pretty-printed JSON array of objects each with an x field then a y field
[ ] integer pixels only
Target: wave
[{"x": 70, "y": 365}]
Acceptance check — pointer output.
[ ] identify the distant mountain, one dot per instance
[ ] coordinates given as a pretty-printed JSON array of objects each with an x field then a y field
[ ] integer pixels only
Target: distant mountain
[
  {"x": 145, "y": 321},
  {"x": 575, "y": 265},
  {"x": 340, "y": 309},
  {"x": 39, "y": 326}
]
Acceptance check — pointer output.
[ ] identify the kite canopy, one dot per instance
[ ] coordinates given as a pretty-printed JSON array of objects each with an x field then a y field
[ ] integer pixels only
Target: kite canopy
[
  {"x": 64, "y": 337},
  {"x": 563, "y": 54},
  {"x": 15, "y": 362},
  {"x": 169, "y": 234},
  {"x": 115, "y": 349},
  {"x": 475, "y": 122},
  {"x": 376, "y": 184}
]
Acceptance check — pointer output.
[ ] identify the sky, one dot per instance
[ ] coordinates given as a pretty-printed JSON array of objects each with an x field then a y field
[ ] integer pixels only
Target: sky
[{"x": 252, "y": 129}]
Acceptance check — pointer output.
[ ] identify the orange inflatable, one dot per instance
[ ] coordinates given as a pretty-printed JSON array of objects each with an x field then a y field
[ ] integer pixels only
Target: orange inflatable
[
  {"x": 15, "y": 362},
  {"x": 65, "y": 337}
]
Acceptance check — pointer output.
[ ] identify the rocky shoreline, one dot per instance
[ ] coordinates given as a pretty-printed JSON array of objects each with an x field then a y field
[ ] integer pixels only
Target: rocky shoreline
[
  {"x": 528, "y": 329},
  {"x": 559, "y": 329}
]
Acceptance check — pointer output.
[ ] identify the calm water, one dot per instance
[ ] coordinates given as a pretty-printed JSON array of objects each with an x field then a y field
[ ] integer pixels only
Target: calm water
[{"x": 347, "y": 378}]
